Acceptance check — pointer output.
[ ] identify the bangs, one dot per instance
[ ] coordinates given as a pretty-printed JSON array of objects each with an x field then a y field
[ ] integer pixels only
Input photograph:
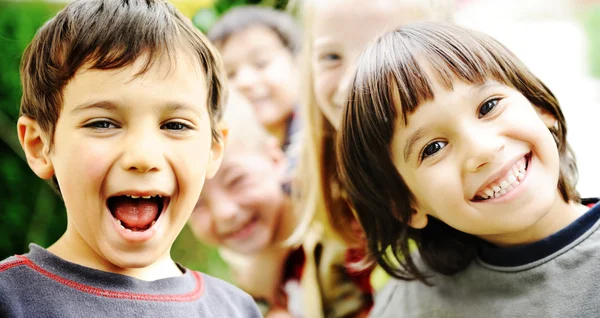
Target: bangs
[{"x": 409, "y": 60}]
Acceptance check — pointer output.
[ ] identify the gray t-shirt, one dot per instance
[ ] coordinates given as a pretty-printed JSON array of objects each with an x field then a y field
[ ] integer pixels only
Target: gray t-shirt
[
  {"x": 40, "y": 284},
  {"x": 556, "y": 277}
]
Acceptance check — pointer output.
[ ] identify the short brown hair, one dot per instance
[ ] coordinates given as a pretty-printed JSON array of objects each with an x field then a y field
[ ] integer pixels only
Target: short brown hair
[
  {"x": 110, "y": 34},
  {"x": 243, "y": 17},
  {"x": 389, "y": 85}
]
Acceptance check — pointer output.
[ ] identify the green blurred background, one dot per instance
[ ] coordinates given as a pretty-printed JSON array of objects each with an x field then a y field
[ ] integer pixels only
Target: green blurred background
[{"x": 30, "y": 210}]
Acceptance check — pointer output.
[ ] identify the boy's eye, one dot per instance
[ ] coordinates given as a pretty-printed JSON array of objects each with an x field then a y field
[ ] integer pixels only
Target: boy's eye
[
  {"x": 174, "y": 125},
  {"x": 487, "y": 107},
  {"x": 100, "y": 124},
  {"x": 432, "y": 148}
]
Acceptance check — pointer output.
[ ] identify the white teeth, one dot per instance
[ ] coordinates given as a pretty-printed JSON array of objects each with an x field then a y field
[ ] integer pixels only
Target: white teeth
[
  {"x": 119, "y": 221},
  {"x": 146, "y": 196},
  {"x": 496, "y": 188},
  {"x": 504, "y": 184},
  {"x": 135, "y": 196},
  {"x": 511, "y": 179},
  {"x": 489, "y": 192},
  {"x": 520, "y": 176},
  {"x": 152, "y": 223}
]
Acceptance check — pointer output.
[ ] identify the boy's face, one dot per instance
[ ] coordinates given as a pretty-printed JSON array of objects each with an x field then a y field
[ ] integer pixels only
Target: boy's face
[
  {"x": 131, "y": 155},
  {"x": 481, "y": 159},
  {"x": 340, "y": 31},
  {"x": 263, "y": 69},
  {"x": 242, "y": 206}
]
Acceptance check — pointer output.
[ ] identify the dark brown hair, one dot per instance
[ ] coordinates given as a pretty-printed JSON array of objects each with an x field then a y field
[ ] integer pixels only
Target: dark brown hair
[
  {"x": 389, "y": 85},
  {"x": 243, "y": 17},
  {"x": 110, "y": 34}
]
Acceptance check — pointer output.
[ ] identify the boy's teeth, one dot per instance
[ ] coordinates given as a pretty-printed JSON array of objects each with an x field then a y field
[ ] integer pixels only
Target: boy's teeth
[
  {"x": 146, "y": 196},
  {"x": 495, "y": 188}
]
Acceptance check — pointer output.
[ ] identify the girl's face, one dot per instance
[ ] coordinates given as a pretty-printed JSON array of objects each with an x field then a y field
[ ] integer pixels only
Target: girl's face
[
  {"x": 481, "y": 159},
  {"x": 340, "y": 30}
]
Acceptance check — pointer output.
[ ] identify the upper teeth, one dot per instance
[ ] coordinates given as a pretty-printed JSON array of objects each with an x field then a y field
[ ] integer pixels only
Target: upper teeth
[
  {"x": 508, "y": 182},
  {"x": 143, "y": 196}
]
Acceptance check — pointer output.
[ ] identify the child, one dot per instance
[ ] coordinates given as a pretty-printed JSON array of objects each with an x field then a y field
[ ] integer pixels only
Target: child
[
  {"x": 335, "y": 33},
  {"x": 259, "y": 46},
  {"x": 120, "y": 105},
  {"x": 449, "y": 141},
  {"x": 246, "y": 211}
]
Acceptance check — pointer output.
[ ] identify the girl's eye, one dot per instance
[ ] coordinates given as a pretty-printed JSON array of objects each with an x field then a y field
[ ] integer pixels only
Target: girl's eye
[
  {"x": 432, "y": 148},
  {"x": 173, "y": 125},
  {"x": 487, "y": 107},
  {"x": 100, "y": 124},
  {"x": 331, "y": 57}
]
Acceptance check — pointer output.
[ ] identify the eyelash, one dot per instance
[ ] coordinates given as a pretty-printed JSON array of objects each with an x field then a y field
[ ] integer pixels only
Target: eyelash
[
  {"x": 495, "y": 102},
  {"x": 102, "y": 125},
  {"x": 183, "y": 126},
  {"x": 423, "y": 153},
  {"x": 96, "y": 125}
]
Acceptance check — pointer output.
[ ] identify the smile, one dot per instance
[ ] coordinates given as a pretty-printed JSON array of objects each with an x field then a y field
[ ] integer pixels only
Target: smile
[{"x": 505, "y": 184}]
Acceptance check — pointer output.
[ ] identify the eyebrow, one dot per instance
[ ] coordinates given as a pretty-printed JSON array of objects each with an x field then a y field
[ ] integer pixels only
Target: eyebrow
[
  {"x": 170, "y": 106},
  {"x": 412, "y": 141}
]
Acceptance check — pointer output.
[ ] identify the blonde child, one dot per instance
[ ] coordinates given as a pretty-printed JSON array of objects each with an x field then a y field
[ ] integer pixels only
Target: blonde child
[
  {"x": 335, "y": 33},
  {"x": 120, "y": 105},
  {"x": 450, "y": 142}
]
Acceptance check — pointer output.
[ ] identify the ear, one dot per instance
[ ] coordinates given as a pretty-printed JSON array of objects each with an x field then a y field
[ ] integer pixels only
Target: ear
[
  {"x": 36, "y": 146},
  {"x": 418, "y": 219},
  {"x": 217, "y": 150},
  {"x": 549, "y": 120}
]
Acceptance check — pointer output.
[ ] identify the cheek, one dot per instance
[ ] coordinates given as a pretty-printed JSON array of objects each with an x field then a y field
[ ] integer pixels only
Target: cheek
[{"x": 91, "y": 164}]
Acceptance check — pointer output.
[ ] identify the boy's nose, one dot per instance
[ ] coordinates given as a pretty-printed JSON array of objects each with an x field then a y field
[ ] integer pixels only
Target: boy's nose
[{"x": 143, "y": 153}]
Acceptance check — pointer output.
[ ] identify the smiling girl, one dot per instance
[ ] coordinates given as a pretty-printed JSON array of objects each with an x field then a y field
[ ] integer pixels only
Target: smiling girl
[{"x": 449, "y": 141}]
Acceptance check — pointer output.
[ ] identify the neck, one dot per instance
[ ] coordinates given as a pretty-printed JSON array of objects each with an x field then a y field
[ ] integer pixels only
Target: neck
[
  {"x": 279, "y": 130},
  {"x": 560, "y": 215},
  {"x": 73, "y": 248}
]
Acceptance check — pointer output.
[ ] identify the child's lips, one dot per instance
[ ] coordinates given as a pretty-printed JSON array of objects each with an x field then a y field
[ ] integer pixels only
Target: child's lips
[
  {"x": 242, "y": 232},
  {"x": 140, "y": 235}
]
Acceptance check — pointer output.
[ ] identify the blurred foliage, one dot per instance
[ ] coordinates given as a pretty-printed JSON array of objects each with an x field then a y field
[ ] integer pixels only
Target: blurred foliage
[
  {"x": 29, "y": 209},
  {"x": 591, "y": 22}
]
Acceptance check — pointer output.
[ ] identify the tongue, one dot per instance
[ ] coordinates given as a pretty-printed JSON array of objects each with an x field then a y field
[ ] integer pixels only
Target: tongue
[{"x": 135, "y": 213}]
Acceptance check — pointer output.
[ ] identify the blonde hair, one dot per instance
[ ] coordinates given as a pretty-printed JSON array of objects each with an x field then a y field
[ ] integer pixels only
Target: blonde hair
[{"x": 317, "y": 192}]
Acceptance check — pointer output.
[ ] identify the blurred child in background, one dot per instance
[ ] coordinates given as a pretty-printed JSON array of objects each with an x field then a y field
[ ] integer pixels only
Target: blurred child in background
[
  {"x": 259, "y": 47},
  {"x": 246, "y": 211}
]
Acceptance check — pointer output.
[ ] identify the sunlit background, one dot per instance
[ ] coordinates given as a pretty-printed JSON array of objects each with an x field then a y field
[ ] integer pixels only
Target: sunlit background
[{"x": 558, "y": 39}]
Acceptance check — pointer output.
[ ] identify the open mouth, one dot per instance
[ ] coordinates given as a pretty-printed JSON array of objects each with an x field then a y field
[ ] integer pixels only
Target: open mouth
[
  {"x": 137, "y": 213},
  {"x": 506, "y": 183}
]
